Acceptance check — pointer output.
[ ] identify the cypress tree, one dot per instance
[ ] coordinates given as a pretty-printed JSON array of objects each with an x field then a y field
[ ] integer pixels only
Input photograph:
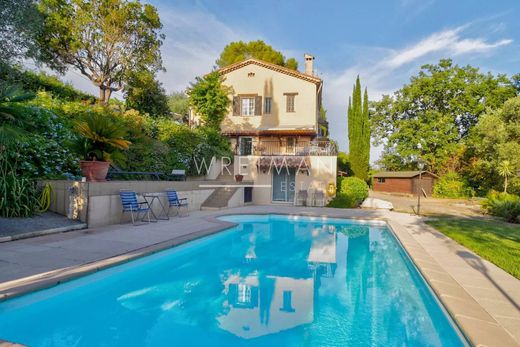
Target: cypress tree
[{"x": 359, "y": 132}]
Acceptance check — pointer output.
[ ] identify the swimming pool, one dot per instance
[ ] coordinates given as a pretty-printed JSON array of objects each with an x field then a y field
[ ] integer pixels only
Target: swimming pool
[{"x": 270, "y": 281}]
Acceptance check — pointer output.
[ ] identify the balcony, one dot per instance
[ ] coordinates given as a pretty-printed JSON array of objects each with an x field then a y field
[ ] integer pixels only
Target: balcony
[{"x": 287, "y": 148}]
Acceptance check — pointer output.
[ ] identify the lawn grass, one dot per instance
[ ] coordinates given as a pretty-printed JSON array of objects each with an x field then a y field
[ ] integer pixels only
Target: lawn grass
[{"x": 495, "y": 241}]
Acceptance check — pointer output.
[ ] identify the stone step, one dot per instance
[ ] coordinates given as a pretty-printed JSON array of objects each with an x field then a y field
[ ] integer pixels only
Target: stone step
[{"x": 219, "y": 198}]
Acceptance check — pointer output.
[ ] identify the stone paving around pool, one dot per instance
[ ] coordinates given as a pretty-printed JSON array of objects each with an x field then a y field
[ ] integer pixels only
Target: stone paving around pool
[{"x": 483, "y": 299}]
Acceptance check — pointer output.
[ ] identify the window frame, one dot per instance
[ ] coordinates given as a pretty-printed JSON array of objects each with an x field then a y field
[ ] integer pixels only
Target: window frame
[
  {"x": 250, "y": 107},
  {"x": 266, "y": 100},
  {"x": 290, "y": 102},
  {"x": 381, "y": 180}
]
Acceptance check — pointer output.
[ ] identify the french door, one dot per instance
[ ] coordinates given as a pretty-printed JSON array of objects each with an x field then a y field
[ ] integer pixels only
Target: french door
[{"x": 283, "y": 185}]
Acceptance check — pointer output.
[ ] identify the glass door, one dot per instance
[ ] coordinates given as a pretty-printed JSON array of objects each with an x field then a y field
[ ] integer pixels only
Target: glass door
[
  {"x": 283, "y": 185},
  {"x": 246, "y": 146}
]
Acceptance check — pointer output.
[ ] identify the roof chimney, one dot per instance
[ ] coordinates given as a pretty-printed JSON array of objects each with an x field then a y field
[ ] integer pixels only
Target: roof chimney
[{"x": 309, "y": 64}]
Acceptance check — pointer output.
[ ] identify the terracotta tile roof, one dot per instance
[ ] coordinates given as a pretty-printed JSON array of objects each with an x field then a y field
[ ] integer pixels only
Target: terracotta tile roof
[
  {"x": 273, "y": 67},
  {"x": 400, "y": 174},
  {"x": 309, "y": 132}
]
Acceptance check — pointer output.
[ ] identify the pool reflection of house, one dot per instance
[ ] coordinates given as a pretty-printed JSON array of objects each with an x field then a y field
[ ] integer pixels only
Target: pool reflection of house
[
  {"x": 255, "y": 309},
  {"x": 259, "y": 305}
]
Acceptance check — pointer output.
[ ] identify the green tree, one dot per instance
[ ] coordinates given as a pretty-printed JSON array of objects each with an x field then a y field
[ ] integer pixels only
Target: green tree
[
  {"x": 20, "y": 23},
  {"x": 209, "y": 97},
  {"x": 13, "y": 114},
  {"x": 505, "y": 170},
  {"x": 105, "y": 40},
  {"x": 432, "y": 116},
  {"x": 144, "y": 93},
  {"x": 238, "y": 51},
  {"x": 179, "y": 106},
  {"x": 493, "y": 141},
  {"x": 359, "y": 132},
  {"x": 516, "y": 82}
]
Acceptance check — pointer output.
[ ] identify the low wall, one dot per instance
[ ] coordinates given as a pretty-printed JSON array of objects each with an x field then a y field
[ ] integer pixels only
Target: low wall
[{"x": 98, "y": 203}]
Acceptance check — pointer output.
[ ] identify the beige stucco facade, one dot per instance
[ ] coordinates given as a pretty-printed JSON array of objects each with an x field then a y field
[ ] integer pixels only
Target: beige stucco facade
[{"x": 275, "y": 113}]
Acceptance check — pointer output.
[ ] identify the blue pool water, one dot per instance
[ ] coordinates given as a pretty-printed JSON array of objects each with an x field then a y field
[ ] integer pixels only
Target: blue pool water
[{"x": 270, "y": 281}]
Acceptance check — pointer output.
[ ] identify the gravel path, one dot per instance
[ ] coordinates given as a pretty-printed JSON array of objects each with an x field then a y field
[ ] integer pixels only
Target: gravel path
[{"x": 432, "y": 206}]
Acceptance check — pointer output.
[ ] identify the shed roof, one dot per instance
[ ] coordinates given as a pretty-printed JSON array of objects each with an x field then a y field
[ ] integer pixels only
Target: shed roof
[{"x": 400, "y": 174}]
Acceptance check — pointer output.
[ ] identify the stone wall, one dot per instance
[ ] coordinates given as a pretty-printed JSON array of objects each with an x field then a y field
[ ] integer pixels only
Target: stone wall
[{"x": 98, "y": 203}]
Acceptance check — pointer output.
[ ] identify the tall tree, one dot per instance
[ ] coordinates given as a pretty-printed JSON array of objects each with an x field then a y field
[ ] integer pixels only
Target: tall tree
[
  {"x": 146, "y": 94},
  {"x": 432, "y": 116},
  {"x": 179, "y": 106},
  {"x": 359, "y": 132},
  {"x": 209, "y": 97},
  {"x": 20, "y": 23},
  {"x": 516, "y": 82},
  {"x": 238, "y": 51},
  {"x": 105, "y": 40},
  {"x": 493, "y": 141}
]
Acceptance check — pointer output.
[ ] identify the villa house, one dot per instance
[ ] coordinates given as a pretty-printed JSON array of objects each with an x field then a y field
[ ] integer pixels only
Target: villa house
[{"x": 274, "y": 128}]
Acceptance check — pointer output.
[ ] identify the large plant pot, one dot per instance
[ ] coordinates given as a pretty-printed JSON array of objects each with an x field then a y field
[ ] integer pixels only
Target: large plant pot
[{"x": 94, "y": 171}]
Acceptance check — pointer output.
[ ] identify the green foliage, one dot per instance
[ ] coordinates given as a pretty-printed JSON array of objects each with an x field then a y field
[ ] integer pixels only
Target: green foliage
[
  {"x": 437, "y": 110},
  {"x": 145, "y": 94},
  {"x": 238, "y": 51},
  {"x": 503, "y": 205},
  {"x": 179, "y": 106},
  {"x": 105, "y": 40},
  {"x": 18, "y": 194},
  {"x": 209, "y": 98},
  {"x": 495, "y": 140},
  {"x": 351, "y": 193},
  {"x": 101, "y": 137},
  {"x": 13, "y": 116},
  {"x": 359, "y": 132},
  {"x": 516, "y": 82},
  {"x": 344, "y": 163},
  {"x": 37, "y": 82},
  {"x": 20, "y": 22},
  {"x": 451, "y": 185}
]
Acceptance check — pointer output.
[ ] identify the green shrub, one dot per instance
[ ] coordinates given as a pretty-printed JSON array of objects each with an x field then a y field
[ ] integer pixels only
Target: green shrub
[
  {"x": 350, "y": 194},
  {"x": 503, "y": 205},
  {"x": 18, "y": 194},
  {"x": 451, "y": 185}
]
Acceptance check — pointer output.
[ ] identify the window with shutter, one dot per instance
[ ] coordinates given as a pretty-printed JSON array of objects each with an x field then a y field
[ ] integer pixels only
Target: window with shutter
[
  {"x": 247, "y": 106},
  {"x": 290, "y": 103},
  {"x": 258, "y": 105},
  {"x": 236, "y": 106},
  {"x": 268, "y": 105}
]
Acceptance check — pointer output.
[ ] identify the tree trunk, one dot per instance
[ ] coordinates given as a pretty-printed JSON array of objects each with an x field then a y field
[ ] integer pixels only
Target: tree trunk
[
  {"x": 505, "y": 184},
  {"x": 102, "y": 94}
]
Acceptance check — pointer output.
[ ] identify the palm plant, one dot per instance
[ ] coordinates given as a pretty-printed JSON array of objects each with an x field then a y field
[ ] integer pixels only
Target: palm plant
[
  {"x": 505, "y": 169},
  {"x": 13, "y": 117},
  {"x": 102, "y": 138}
]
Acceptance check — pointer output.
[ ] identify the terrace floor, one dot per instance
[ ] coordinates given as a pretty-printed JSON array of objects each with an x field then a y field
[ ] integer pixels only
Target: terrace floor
[{"x": 483, "y": 299}]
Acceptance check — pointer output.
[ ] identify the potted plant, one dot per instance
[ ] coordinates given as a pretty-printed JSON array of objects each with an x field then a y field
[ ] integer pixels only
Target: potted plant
[
  {"x": 239, "y": 178},
  {"x": 100, "y": 142}
]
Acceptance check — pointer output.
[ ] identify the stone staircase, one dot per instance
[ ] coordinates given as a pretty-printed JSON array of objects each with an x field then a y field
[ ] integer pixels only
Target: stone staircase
[
  {"x": 218, "y": 199},
  {"x": 226, "y": 176}
]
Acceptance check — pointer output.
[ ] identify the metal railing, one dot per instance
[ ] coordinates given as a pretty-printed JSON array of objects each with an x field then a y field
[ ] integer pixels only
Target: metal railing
[{"x": 284, "y": 147}]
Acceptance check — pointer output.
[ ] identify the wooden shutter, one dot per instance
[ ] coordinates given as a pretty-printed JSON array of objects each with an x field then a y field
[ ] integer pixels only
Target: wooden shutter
[
  {"x": 258, "y": 105},
  {"x": 236, "y": 106}
]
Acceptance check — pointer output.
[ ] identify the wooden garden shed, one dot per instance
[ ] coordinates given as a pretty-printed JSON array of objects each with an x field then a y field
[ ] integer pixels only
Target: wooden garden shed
[{"x": 405, "y": 182}]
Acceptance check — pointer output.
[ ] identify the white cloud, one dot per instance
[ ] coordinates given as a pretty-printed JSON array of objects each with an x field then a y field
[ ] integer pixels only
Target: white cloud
[
  {"x": 448, "y": 42},
  {"x": 385, "y": 70},
  {"x": 193, "y": 42}
]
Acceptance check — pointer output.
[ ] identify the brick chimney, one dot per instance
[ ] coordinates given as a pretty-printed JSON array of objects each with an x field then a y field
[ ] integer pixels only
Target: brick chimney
[{"x": 309, "y": 64}]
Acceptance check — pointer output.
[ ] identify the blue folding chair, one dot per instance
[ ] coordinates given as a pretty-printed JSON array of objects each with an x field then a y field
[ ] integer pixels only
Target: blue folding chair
[
  {"x": 132, "y": 205},
  {"x": 174, "y": 201}
]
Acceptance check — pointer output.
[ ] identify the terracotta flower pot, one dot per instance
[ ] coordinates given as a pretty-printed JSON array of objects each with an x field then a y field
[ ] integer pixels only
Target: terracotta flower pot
[
  {"x": 94, "y": 171},
  {"x": 239, "y": 178}
]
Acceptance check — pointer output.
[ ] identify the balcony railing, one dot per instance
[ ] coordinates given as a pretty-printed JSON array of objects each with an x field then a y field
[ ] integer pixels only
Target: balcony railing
[{"x": 295, "y": 147}]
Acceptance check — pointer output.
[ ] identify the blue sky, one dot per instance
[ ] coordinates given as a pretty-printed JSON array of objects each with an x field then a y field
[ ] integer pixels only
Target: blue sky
[{"x": 384, "y": 41}]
